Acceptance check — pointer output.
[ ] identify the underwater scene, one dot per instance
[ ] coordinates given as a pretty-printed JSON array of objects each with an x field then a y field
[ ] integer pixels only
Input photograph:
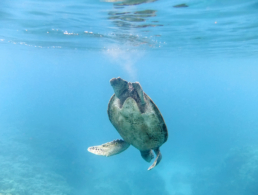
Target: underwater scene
[{"x": 129, "y": 97}]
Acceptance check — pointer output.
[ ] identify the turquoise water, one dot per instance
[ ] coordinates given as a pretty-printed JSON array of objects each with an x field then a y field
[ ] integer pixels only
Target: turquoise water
[{"x": 196, "y": 59}]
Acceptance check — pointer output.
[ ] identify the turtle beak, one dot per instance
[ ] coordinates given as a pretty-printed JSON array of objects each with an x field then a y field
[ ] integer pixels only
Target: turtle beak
[
  {"x": 112, "y": 81},
  {"x": 115, "y": 81}
]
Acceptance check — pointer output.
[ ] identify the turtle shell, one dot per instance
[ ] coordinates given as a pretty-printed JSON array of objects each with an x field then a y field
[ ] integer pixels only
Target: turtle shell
[{"x": 144, "y": 130}]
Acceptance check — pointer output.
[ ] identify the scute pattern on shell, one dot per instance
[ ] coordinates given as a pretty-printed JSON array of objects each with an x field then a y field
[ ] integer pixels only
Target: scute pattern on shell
[{"x": 143, "y": 130}]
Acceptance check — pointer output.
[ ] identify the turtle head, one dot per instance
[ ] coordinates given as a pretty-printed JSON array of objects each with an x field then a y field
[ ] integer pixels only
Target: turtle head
[{"x": 119, "y": 85}]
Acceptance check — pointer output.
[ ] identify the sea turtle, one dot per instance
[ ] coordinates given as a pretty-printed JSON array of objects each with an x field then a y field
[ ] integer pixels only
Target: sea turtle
[{"x": 137, "y": 119}]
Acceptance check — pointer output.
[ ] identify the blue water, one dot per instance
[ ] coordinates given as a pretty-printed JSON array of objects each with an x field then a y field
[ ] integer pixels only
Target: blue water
[{"x": 198, "y": 62}]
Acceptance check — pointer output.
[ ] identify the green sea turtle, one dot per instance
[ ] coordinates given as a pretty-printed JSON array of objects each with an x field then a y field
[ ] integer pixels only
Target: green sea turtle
[{"x": 137, "y": 119}]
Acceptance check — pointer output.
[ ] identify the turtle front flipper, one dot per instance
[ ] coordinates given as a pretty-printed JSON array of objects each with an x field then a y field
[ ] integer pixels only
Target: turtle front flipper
[
  {"x": 110, "y": 148},
  {"x": 157, "y": 160},
  {"x": 139, "y": 90}
]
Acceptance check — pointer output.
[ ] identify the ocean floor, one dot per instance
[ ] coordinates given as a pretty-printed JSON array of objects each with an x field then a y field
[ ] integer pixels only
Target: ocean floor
[{"x": 22, "y": 172}]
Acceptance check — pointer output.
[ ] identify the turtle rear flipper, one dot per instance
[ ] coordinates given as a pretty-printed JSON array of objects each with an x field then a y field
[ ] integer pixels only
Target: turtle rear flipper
[
  {"x": 157, "y": 160},
  {"x": 147, "y": 155},
  {"x": 110, "y": 148}
]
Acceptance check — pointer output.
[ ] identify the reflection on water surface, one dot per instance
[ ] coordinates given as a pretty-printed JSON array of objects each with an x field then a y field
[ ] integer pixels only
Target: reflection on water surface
[
  {"x": 128, "y": 19},
  {"x": 130, "y": 2}
]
